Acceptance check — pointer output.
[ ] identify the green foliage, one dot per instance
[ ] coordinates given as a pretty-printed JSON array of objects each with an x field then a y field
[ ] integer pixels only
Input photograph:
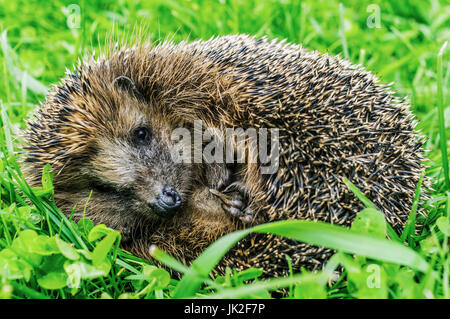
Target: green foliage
[
  {"x": 367, "y": 277},
  {"x": 45, "y": 254},
  {"x": 54, "y": 263}
]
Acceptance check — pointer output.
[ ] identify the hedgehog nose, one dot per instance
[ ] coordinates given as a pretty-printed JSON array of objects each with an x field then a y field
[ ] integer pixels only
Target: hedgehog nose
[{"x": 169, "y": 199}]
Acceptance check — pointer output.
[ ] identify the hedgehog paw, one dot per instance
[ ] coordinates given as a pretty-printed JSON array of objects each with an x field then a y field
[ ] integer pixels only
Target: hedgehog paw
[{"x": 235, "y": 205}]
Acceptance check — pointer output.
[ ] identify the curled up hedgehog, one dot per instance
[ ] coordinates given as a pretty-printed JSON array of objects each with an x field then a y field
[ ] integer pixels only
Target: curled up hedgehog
[{"x": 108, "y": 128}]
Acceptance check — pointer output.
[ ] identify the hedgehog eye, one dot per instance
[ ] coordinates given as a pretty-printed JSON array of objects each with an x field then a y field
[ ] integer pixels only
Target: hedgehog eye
[{"x": 141, "y": 135}]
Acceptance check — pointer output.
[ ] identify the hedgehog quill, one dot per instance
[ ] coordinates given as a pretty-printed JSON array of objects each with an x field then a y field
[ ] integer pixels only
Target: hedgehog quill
[{"x": 107, "y": 128}]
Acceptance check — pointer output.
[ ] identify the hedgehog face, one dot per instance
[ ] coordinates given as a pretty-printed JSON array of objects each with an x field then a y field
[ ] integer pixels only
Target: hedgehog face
[
  {"x": 132, "y": 160},
  {"x": 122, "y": 154}
]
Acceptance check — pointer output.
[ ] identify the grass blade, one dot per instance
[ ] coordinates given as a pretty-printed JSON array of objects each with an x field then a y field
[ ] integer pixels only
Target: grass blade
[
  {"x": 408, "y": 231},
  {"x": 390, "y": 231},
  {"x": 345, "y": 240},
  {"x": 205, "y": 263},
  {"x": 269, "y": 284},
  {"x": 316, "y": 233},
  {"x": 342, "y": 31},
  {"x": 6, "y": 129},
  {"x": 167, "y": 260},
  {"x": 441, "y": 118}
]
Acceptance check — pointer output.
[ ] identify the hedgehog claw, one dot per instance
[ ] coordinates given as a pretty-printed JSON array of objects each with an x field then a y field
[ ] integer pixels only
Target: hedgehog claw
[
  {"x": 243, "y": 214},
  {"x": 248, "y": 216},
  {"x": 235, "y": 205}
]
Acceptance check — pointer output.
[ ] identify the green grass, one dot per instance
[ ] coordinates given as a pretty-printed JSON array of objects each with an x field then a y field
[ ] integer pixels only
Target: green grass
[{"x": 44, "y": 254}]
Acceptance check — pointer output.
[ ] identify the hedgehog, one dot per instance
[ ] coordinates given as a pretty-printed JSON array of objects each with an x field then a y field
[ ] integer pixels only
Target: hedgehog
[{"x": 106, "y": 129}]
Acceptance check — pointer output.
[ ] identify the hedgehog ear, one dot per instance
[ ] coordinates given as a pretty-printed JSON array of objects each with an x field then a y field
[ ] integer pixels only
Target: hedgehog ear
[{"x": 125, "y": 83}]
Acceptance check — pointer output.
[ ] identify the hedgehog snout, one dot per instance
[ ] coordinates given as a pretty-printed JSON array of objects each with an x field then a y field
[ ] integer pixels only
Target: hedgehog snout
[{"x": 167, "y": 202}]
